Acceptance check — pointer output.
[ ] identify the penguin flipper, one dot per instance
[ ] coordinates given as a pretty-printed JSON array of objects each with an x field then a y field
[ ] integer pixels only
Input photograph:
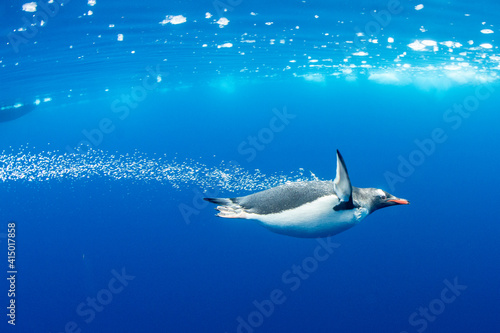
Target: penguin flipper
[
  {"x": 342, "y": 185},
  {"x": 344, "y": 206}
]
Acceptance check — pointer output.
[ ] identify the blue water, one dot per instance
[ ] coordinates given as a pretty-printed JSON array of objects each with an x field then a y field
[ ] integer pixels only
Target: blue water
[{"x": 126, "y": 120}]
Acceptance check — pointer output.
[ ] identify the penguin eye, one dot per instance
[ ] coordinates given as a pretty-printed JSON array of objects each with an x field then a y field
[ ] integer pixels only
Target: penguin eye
[{"x": 382, "y": 196}]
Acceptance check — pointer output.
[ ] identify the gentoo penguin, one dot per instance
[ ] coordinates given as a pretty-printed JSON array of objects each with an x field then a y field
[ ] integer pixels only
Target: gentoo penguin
[{"x": 310, "y": 208}]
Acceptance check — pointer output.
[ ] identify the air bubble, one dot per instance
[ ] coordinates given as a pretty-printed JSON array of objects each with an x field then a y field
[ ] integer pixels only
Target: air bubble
[{"x": 22, "y": 166}]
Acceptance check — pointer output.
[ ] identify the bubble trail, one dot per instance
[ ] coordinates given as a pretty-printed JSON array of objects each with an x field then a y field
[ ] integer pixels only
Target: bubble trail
[{"x": 53, "y": 165}]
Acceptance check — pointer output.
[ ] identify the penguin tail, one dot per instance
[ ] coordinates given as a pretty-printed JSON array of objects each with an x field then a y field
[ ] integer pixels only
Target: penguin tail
[
  {"x": 228, "y": 208},
  {"x": 219, "y": 201}
]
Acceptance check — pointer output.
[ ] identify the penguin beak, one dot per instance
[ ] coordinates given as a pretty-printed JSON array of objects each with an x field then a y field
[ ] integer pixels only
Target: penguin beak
[{"x": 399, "y": 201}]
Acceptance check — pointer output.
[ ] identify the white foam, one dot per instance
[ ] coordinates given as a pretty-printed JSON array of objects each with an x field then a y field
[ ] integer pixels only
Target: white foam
[
  {"x": 450, "y": 44},
  {"x": 487, "y": 31},
  {"x": 486, "y": 46},
  {"x": 419, "y": 7},
  {"x": 385, "y": 78},
  {"x": 173, "y": 19},
  {"x": 222, "y": 22},
  {"x": 429, "y": 42},
  {"x": 416, "y": 46},
  {"x": 314, "y": 77},
  {"x": 29, "y": 7}
]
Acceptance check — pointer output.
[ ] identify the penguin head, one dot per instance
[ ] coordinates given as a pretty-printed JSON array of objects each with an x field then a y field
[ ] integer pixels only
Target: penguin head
[{"x": 378, "y": 198}]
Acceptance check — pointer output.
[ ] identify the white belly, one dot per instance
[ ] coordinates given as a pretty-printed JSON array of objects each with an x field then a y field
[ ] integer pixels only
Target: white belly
[{"x": 314, "y": 219}]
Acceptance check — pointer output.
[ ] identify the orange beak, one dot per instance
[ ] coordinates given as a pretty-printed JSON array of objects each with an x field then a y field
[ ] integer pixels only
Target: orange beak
[{"x": 400, "y": 201}]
